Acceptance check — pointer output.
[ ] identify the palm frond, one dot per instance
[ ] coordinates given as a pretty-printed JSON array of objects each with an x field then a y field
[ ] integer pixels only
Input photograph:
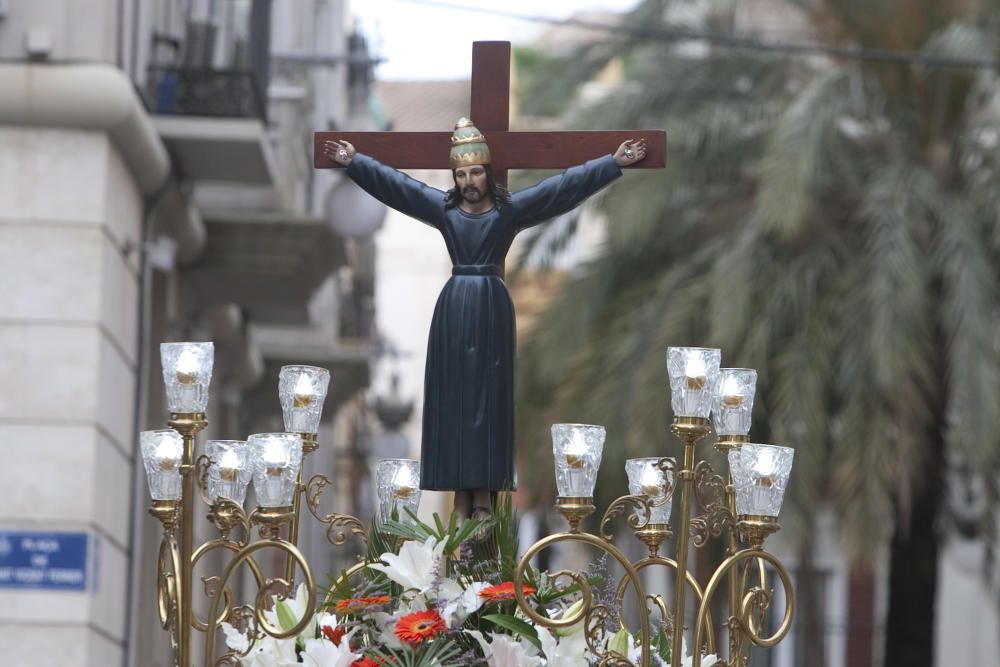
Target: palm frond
[{"x": 969, "y": 319}]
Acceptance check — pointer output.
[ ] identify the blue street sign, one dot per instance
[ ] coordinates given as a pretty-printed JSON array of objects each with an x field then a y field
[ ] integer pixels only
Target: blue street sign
[{"x": 52, "y": 561}]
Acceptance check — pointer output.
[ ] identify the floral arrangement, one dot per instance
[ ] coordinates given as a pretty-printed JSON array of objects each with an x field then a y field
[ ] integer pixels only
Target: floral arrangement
[{"x": 420, "y": 606}]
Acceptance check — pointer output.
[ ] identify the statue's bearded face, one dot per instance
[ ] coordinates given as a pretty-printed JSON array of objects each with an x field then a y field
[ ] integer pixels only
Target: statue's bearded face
[{"x": 472, "y": 183}]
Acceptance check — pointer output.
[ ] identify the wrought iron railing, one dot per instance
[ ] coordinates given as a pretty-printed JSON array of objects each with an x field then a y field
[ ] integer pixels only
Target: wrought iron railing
[{"x": 199, "y": 91}]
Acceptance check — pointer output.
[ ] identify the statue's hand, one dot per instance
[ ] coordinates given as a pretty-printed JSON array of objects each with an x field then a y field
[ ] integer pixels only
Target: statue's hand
[
  {"x": 630, "y": 152},
  {"x": 341, "y": 152}
]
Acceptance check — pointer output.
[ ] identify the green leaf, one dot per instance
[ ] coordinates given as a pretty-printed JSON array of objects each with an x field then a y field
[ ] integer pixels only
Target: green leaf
[
  {"x": 661, "y": 644},
  {"x": 286, "y": 619},
  {"x": 517, "y": 626},
  {"x": 619, "y": 643}
]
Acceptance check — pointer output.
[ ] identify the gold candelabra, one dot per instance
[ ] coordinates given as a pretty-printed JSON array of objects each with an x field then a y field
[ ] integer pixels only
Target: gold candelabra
[
  {"x": 741, "y": 509},
  {"x": 179, "y": 480}
]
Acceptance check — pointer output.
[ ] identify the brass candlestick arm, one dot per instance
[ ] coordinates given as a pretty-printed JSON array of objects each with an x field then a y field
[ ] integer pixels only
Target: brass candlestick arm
[
  {"x": 727, "y": 443},
  {"x": 338, "y": 526},
  {"x": 165, "y": 512},
  {"x": 754, "y": 529},
  {"x": 310, "y": 442},
  {"x": 653, "y": 535},
  {"x": 188, "y": 424},
  {"x": 690, "y": 430},
  {"x": 226, "y": 515},
  {"x": 270, "y": 520},
  {"x": 575, "y": 510}
]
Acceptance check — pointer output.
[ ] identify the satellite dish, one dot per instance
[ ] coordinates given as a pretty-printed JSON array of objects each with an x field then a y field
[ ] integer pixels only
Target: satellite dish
[{"x": 352, "y": 212}]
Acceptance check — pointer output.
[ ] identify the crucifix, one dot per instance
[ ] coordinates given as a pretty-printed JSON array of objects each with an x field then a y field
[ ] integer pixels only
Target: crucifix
[
  {"x": 467, "y": 443},
  {"x": 490, "y": 102}
]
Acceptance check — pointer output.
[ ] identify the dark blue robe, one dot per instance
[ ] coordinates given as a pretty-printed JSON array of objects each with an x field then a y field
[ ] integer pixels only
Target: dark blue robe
[{"x": 468, "y": 429}]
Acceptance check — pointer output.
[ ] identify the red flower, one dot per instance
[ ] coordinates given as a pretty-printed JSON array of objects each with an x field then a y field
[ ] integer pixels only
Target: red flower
[
  {"x": 420, "y": 625},
  {"x": 504, "y": 591},
  {"x": 334, "y": 634},
  {"x": 354, "y": 605}
]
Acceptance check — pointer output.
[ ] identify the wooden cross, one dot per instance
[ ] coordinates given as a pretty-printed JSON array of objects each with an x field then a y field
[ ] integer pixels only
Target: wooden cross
[{"x": 491, "y": 114}]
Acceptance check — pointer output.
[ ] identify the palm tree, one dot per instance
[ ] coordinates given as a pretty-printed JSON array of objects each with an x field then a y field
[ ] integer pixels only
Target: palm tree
[{"x": 832, "y": 222}]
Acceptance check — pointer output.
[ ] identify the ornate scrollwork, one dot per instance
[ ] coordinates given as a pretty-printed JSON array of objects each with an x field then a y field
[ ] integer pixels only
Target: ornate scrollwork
[
  {"x": 587, "y": 609},
  {"x": 597, "y": 621},
  {"x": 244, "y": 620},
  {"x": 755, "y": 601},
  {"x": 168, "y": 594},
  {"x": 710, "y": 493},
  {"x": 621, "y": 504},
  {"x": 268, "y": 587},
  {"x": 658, "y": 600},
  {"x": 337, "y": 525},
  {"x": 226, "y": 515},
  {"x": 213, "y": 585},
  {"x": 710, "y": 524},
  {"x": 201, "y": 467},
  {"x": 709, "y": 488}
]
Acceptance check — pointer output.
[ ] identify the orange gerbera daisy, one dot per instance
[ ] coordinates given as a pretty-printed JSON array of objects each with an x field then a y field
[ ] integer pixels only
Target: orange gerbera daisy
[
  {"x": 504, "y": 591},
  {"x": 354, "y": 605},
  {"x": 420, "y": 625}
]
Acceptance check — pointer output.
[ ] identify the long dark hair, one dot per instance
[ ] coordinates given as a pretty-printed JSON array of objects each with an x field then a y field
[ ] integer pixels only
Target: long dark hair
[{"x": 501, "y": 195}]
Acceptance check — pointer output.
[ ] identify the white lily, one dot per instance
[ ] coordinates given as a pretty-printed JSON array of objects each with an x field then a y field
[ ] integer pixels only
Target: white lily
[
  {"x": 235, "y": 639},
  {"x": 271, "y": 652},
  {"x": 505, "y": 651},
  {"x": 459, "y": 602},
  {"x": 567, "y": 651},
  {"x": 569, "y": 612},
  {"x": 635, "y": 656},
  {"x": 297, "y": 608},
  {"x": 323, "y": 653},
  {"x": 417, "y": 565}
]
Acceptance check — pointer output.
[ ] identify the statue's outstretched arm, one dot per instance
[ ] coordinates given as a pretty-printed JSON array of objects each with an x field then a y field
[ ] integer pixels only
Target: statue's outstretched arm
[
  {"x": 397, "y": 190},
  {"x": 558, "y": 194}
]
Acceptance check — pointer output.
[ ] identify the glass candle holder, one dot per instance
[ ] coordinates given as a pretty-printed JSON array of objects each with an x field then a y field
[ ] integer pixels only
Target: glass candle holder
[
  {"x": 162, "y": 456},
  {"x": 760, "y": 475},
  {"x": 693, "y": 372},
  {"x": 732, "y": 403},
  {"x": 302, "y": 391},
  {"x": 231, "y": 470},
  {"x": 645, "y": 478},
  {"x": 397, "y": 485},
  {"x": 276, "y": 458},
  {"x": 577, "y": 449},
  {"x": 187, "y": 372}
]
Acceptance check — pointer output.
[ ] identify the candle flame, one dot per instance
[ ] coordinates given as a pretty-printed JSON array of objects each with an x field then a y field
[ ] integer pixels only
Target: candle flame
[
  {"x": 303, "y": 392},
  {"x": 168, "y": 454},
  {"x": 187, "y": 367},
  {"x": 275, "y": 457},
  {"x": 694, "y": 369},
  {"x": 651, "y": 482},
  {"x": 731, "y": 395},
  {"x": 229, "y": 465}
]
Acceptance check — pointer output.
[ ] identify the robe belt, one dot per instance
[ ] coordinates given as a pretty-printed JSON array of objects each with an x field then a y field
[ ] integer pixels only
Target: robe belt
[{"x": 475, "y": 270}]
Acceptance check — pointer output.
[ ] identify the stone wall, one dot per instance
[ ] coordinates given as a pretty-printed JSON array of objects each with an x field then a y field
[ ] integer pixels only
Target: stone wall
[{"x": 70, "y": 219}]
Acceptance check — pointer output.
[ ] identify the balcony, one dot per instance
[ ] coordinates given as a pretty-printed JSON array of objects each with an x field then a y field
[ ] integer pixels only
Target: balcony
[{"x": 214, "y": 122}]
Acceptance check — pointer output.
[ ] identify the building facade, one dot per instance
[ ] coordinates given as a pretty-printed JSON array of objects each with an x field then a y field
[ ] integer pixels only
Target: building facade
[{"x": 157, "y": 185}]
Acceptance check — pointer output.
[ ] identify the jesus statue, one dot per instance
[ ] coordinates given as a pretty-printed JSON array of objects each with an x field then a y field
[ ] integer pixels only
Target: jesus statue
[{"x": 468, "y": 418}]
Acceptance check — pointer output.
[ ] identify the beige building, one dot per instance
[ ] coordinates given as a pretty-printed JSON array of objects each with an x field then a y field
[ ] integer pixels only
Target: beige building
[{"x": 156, "y": 185}]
